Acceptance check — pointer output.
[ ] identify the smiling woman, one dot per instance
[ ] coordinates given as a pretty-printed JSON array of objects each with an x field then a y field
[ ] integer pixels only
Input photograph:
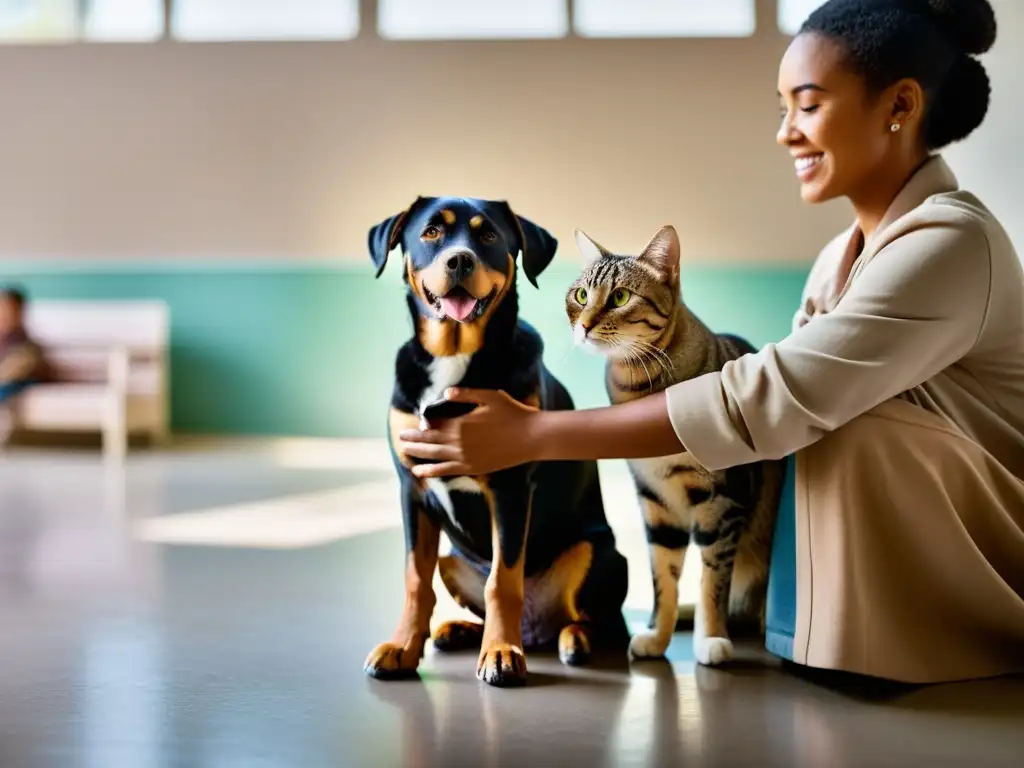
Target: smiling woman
[
  {"x": 889, "y": 65},
  {"x": 899, "y": 394}
]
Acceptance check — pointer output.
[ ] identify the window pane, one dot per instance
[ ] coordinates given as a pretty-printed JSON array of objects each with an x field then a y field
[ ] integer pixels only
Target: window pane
[
  {"x": 664, "y": 18},
  {"x": 116, "y": 20},
  {"x": 471, "y": 19},
  {"x": 265, "y": 19},
  {"x": 793, "y": 12},
  {"x": 37, "y": 20}
]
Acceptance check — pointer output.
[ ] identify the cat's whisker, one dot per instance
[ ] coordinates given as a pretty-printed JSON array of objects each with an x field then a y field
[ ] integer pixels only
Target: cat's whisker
[
  {"x": 566, "y": 351},
  {"x": 650, "y": 381},
  {"x": 660, "y": 355},
  {"x": 634, "y": 356}
]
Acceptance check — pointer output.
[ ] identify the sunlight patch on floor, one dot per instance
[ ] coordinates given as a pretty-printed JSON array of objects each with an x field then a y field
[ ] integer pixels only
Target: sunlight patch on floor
[
  {"x": 315, "y": 519},
  {"x": 290, "y": 522}
]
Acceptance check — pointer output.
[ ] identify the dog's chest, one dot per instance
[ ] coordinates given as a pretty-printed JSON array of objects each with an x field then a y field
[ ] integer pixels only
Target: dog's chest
[{"x": 445, "y": 372}]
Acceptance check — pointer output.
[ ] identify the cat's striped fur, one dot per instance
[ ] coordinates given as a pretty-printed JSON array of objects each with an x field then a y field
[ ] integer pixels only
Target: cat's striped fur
[{"x": 630, "y": 309}]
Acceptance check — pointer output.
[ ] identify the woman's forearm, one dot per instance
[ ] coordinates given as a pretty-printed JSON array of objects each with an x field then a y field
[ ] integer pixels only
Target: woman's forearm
[{"x": 634, "y": 430}]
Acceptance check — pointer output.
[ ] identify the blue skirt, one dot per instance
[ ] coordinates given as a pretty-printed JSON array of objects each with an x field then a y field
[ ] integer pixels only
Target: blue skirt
[
  {"x": 780, "y": 621},
  {"x": 12, "y": 388}
]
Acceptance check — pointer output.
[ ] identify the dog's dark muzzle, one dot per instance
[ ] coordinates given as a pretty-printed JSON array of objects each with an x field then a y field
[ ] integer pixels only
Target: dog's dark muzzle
[{"x": 459, "y": 266}]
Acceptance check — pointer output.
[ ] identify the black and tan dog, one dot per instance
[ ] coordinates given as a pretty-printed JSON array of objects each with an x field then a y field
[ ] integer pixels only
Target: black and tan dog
[{"x": 532, "y": 553}]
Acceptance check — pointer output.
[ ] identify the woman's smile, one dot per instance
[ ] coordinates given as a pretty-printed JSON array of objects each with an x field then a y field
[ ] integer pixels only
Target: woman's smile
[{"x": 808, "y": 164}]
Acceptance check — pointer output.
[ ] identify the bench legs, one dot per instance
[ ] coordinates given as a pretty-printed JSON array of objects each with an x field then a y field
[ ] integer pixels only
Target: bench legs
[
  {"x": 115, "y": 423},
  {"x": 115, "y": 428}
]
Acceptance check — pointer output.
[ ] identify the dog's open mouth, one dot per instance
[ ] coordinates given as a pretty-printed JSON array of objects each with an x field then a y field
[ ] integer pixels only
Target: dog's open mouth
[{"x": 458, "y": 304}]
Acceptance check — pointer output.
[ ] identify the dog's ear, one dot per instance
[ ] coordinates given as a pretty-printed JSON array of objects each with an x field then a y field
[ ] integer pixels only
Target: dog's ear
[
  {"x": 537, "y": 245},
  {"x": 383, "y": 237}
]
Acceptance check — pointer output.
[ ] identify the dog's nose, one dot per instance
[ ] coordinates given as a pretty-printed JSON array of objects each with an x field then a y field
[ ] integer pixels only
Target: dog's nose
[{"x": 460, "y": 265}]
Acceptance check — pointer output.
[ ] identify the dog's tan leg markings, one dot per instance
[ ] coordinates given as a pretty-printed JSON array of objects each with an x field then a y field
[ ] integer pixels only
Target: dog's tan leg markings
[
  {"x": 458, "y": 635},
  {"x": 562, "y": 585},
  {"x": 557, "y": 593},
  {"x": 502, "y": 661},
  {"x": 574, "y": 645},
  {"x": 466, "y": 586},
  {"x": 402, "y": 655}
]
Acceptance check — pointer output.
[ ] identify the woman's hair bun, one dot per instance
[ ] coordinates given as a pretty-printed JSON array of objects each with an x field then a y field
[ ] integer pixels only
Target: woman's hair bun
[
  {"x": 960, "y": 105},
  {"x": 970, "y": 24}
]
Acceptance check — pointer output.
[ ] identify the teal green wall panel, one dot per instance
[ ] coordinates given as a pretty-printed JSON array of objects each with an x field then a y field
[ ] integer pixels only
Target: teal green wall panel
[{"x": 308, "y": 349}]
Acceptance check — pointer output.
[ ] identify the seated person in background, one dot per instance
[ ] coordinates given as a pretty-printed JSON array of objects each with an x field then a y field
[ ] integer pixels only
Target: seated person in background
[{"x": 21, "y": 361}]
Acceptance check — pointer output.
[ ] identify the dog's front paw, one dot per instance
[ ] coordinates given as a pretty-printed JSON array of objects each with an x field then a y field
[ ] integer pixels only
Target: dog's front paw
[
  {"x": 502, "y": 665},
  {"x": 390, "y": 662},
  {"x": 573, "y": 646},
  {"x": 458, "y": 636},
  {"x": 711, "y": 651},
  {"x": 647, "y": 646}
]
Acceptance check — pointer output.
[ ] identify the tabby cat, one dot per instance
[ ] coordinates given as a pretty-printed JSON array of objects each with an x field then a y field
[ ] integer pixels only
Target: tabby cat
[{"x": 630, "y": 310}]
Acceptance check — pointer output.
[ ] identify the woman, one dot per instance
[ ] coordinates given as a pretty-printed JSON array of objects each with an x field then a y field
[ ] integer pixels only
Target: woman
[
  {"x": 900, "y": 390},
  {"x": 21, "y": 362}
]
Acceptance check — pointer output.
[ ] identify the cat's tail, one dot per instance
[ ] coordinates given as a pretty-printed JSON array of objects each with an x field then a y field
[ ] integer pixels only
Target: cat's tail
[{"x": 735, "y": 346}]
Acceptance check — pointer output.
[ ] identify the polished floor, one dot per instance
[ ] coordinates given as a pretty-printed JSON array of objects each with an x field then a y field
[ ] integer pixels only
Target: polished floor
[{"x": 212, "y": 606}]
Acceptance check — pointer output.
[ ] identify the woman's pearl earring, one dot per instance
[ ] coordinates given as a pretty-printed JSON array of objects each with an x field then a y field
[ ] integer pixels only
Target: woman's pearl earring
[{"x": 894, "y": 127}]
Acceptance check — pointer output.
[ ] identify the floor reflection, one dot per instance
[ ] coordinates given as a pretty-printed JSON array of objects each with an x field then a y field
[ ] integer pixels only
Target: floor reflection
[{"x": 117, "y": 650}]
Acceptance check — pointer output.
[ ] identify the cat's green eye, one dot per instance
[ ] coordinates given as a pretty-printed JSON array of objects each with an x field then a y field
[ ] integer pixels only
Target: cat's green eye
[
  {"x": 620, "y": 297},
  {"x": 581, "y": 296}
]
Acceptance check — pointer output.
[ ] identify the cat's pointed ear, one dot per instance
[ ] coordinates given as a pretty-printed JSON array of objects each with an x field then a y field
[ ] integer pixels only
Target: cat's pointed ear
[
  {"x": 589, "y": 250},
  {"x": 662, "y": 254}
]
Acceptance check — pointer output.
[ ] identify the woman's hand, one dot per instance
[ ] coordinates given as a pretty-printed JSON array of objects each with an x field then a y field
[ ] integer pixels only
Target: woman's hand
[{"x": 500, "y": 433}]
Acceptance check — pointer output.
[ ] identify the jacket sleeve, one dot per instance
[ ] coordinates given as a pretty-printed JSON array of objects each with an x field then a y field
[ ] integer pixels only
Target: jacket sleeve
[{"x": 917, "y": 307}]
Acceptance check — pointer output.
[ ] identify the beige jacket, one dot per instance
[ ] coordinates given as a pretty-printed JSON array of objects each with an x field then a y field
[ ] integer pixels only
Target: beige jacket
[{"x": 932, "y": 312}]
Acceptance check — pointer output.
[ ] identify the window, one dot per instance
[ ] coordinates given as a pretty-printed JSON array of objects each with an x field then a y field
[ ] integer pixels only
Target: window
[
  {"x": 59, "y": 21},
  {"x": 45, "y": 21},
  {"x": 664, "y": 18},
  {"x": 472, "y": 19},
  {"x": 220, "y": 20},
  {"x": 123, "y": 20},
  {"x": 793, "y": 12}
]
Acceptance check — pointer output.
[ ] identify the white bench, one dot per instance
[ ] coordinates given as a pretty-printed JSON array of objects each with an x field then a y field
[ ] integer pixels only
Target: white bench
[{"x": 110, "y": 366}]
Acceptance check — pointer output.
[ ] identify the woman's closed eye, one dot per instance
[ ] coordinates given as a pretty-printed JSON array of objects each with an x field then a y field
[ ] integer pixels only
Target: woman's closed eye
[{"x": 783, "y": 111}]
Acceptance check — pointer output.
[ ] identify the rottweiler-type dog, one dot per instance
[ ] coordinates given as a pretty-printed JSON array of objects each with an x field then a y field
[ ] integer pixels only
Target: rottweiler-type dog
[{"x": 532, "y": 553}]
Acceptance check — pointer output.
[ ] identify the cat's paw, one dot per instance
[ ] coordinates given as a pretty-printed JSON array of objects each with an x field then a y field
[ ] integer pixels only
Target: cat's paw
[
  {"x": 647, "y": 646},
  {"x": 712, "y": 651}
]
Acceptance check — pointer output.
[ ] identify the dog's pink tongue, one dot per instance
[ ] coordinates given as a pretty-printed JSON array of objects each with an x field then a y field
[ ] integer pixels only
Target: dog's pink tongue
[{"x": 458, "y": 307}]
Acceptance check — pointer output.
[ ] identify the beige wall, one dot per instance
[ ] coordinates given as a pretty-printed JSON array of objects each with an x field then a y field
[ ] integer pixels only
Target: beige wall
[{"x": 279, "y": 150}]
